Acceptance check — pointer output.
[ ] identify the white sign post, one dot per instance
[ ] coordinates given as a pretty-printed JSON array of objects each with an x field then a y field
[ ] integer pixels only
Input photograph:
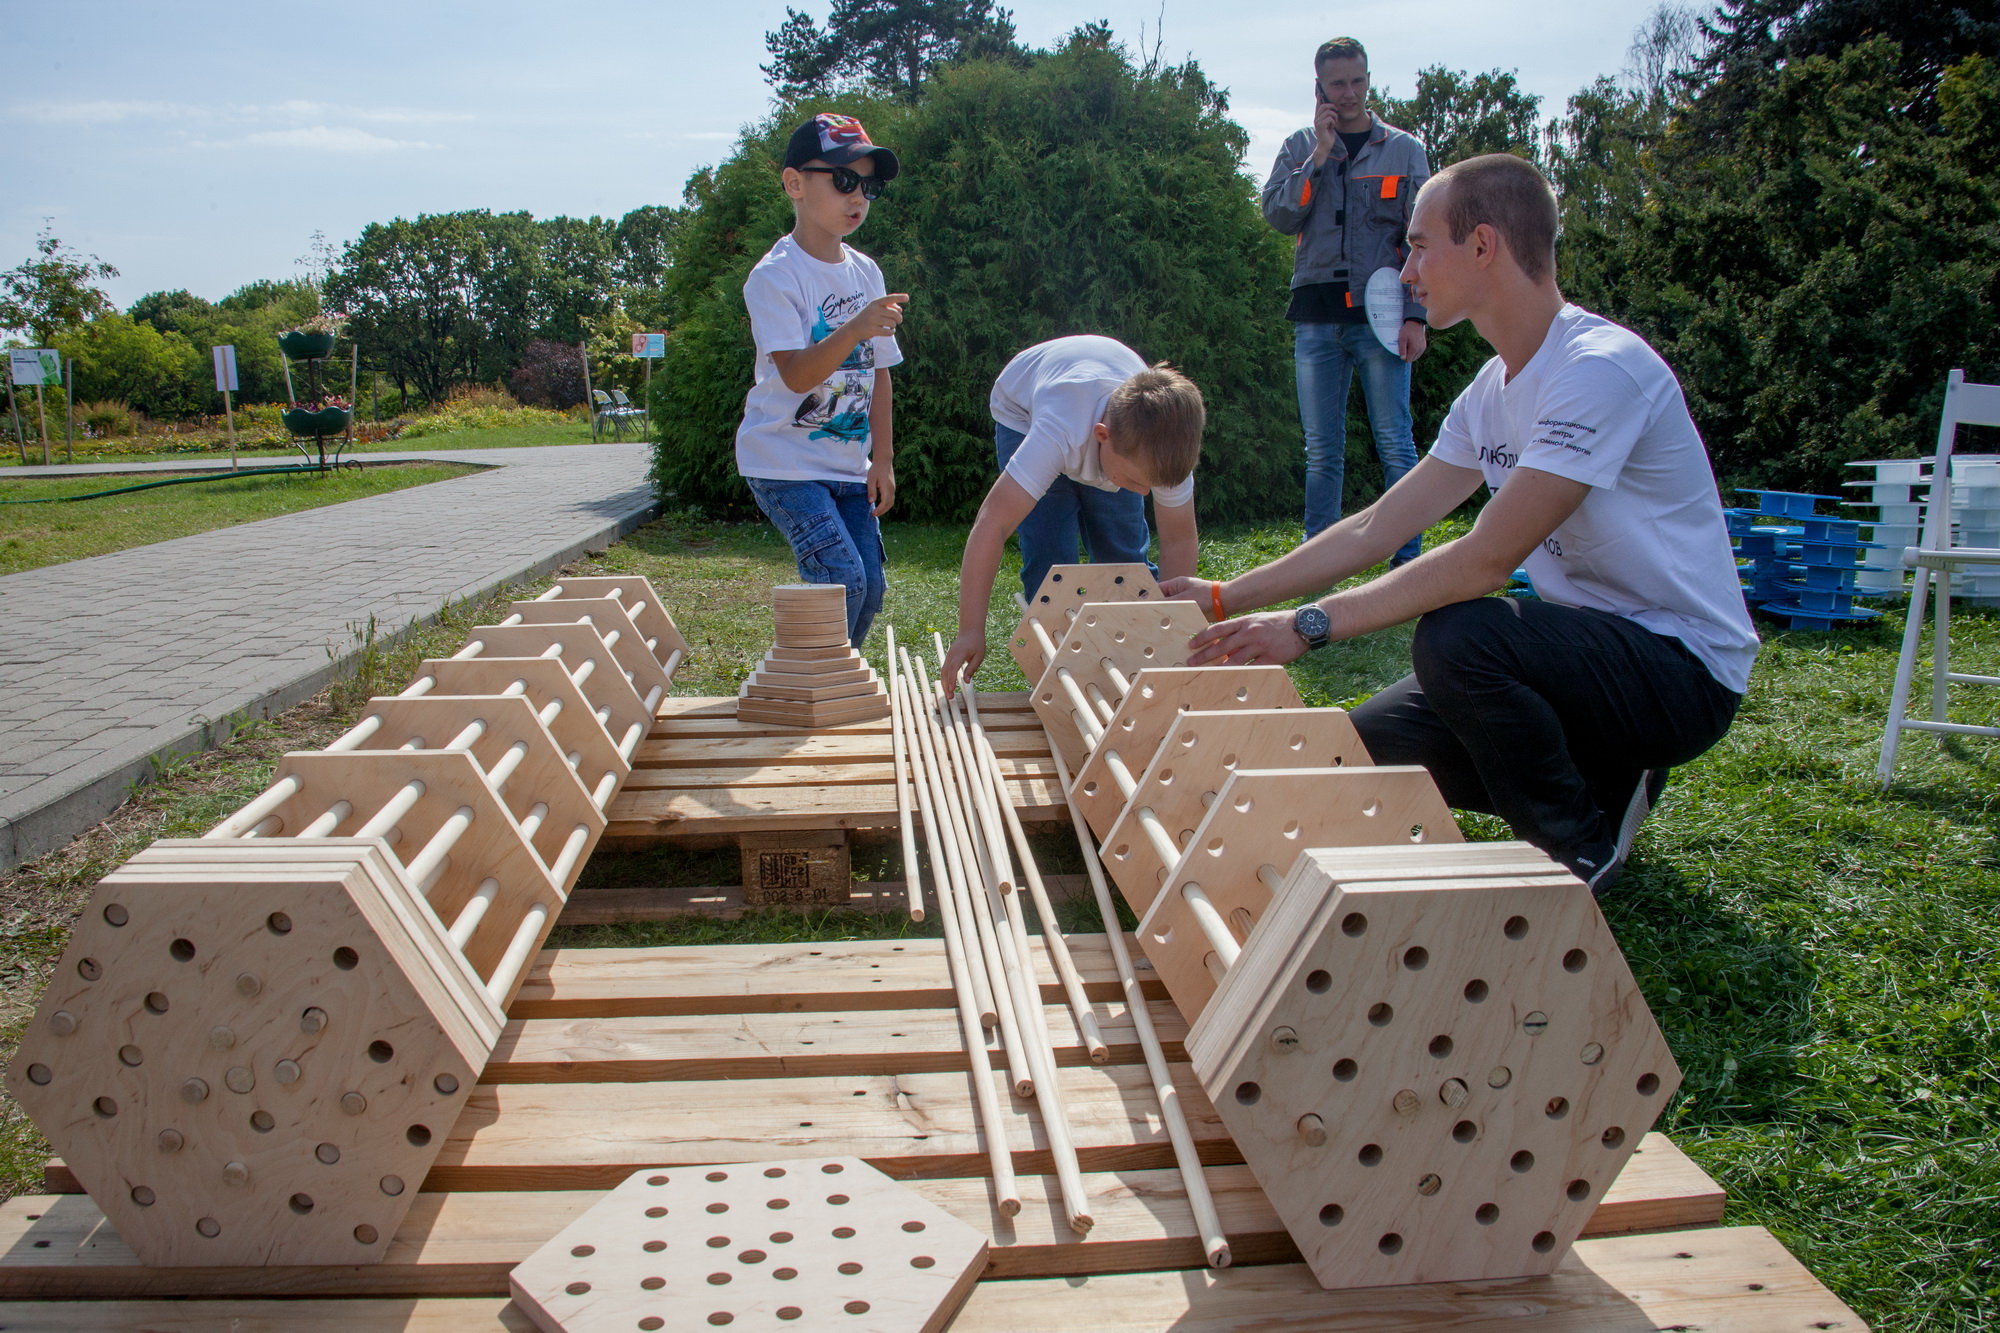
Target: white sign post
[
  {"x": 650, "y": 347},
  {"x": 37, "y": 366},
  {"x": 225, "y": 380}
]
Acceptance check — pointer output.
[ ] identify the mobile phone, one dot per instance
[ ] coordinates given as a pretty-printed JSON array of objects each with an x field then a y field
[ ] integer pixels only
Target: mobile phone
[{"x": 1319, "y": 93}]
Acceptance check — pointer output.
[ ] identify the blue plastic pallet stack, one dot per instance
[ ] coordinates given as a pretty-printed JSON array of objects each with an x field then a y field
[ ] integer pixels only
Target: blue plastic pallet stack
[{"x": 1802, "y": 567}]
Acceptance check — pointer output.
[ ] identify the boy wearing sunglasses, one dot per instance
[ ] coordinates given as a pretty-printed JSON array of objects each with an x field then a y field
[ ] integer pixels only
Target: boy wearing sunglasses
[{"x": 815, "y": 445}]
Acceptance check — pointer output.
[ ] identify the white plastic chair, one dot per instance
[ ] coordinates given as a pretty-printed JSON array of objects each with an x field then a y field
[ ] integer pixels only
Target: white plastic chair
[{"x": 1935, "y": 561}]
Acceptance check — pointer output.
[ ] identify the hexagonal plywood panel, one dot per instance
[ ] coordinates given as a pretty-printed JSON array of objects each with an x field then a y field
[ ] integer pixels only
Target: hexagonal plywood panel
[
  {"x": 252, "y": 1065},
  {"x": 810, "y": 1243},
  {"x": 1434, "y": 1080}
]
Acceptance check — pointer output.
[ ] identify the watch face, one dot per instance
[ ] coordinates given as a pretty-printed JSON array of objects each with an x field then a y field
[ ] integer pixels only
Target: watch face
[{"x": 1312, "y": 623}]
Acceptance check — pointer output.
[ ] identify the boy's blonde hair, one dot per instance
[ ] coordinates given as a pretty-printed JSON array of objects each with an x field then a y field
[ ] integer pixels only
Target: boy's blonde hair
[{"x": 1158, "y": 416}]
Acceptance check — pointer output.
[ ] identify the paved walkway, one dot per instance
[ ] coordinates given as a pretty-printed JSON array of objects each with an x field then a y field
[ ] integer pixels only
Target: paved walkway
[{"x": 108, "y": 662}]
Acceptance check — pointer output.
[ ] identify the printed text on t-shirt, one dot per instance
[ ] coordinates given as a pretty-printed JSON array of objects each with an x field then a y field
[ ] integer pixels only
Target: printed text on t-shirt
[
  {"x": 1562, "y": 434},
  {"x": 1498, "y": 455}
]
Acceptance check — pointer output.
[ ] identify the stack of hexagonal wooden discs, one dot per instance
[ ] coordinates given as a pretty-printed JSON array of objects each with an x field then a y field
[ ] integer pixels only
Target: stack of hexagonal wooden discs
[
  {"x": 811, "y": 677},
  {"x": 1432, "y": 1054},
  {"x": 257, "y": 1040}
]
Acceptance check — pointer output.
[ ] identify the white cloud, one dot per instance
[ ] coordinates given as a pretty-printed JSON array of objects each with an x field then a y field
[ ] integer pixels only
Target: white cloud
[{"x": 327, "y": 139}]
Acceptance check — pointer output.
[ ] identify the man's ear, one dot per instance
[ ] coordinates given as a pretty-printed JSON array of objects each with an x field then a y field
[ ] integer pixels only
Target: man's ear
[{"x": 1486, "y": 247}]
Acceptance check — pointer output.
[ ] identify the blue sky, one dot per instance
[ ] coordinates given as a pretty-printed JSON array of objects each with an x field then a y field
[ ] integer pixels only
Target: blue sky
[{"x": 200, "y": 146}]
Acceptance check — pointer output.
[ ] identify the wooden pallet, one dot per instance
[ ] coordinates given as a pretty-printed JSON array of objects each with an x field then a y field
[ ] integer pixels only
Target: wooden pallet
[
  {"x": 702, "y": 772},
  {"x": 616, "y": 1059}
]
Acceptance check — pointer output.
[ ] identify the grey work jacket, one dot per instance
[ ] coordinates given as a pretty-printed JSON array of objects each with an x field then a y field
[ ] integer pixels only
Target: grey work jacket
[{"x": 1349, "y": 217}]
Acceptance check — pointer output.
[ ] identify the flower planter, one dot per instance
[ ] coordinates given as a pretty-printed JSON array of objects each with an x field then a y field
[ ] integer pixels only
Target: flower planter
[
  {"x": 325, "y": 421},
  {"x": 306, "y": 346}
]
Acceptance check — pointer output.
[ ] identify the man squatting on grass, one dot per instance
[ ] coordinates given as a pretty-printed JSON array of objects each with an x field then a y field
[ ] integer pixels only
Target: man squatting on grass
[
  {"x": 1084, "y": 429},
  {"x": 816, "y": 445},
  {"x": 1560, "y": 715}
]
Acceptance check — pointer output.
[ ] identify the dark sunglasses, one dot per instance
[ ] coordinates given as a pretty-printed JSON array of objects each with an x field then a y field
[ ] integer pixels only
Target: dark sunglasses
[{"x": 847, "y": 180}]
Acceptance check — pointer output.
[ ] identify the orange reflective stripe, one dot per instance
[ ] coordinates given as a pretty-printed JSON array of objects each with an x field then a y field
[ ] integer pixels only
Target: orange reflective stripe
[
  {"x": 1389, "y": 184},
  {"x": 1350, "y": 299},
  {"x": 1306, "y": 194}
]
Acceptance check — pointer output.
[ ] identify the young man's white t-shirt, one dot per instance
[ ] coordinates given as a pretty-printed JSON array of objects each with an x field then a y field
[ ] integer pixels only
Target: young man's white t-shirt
[
  {"x": 1054, "y": 394},
  {"x": 794, "y": 301},
  {"x": 1599, "y": 406}
]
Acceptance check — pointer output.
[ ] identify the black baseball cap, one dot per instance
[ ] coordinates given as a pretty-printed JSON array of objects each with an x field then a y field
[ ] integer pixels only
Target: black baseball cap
[{"x": 837, "y": 140}]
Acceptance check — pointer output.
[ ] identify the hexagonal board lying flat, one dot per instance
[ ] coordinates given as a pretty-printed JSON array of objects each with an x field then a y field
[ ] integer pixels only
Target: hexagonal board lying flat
[
  {"x": 812, "y": 1243},
  {"x": 249, "y": 1063},
  {"x": 1477, "y": 1055}
]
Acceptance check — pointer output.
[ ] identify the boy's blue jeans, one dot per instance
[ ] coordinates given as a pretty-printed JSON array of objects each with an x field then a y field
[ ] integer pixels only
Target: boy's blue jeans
[
  {"x": 1111, "y": 524},
  {"x": 835, "y": 538},
  {"x": 1325, "y": 357}
]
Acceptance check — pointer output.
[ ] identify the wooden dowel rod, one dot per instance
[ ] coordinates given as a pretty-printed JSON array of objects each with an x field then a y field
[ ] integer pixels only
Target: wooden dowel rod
[
  {"x": 1118, "y": 679},
  {"x": 1052, "y": 935},
  {"x": 944, "y": 853},
  {"x": 974, "y": 902},
  {"x": 359, "y": 732},
  {"x": 904, "y": 824},
  {"x": 1032, "y": 1017},
  {"x": 520, "y": 949},
  {"x": 992, "y": 1121},
  {"x": 1086, "y": 718},
  {"x": 1212, "y": 925},
  {"x": 252, "y": 814},
  {"x": 1156, "y": 833},
  {"x": 1100, "y": 703},
  {"x": 1214, "y": 1244}
]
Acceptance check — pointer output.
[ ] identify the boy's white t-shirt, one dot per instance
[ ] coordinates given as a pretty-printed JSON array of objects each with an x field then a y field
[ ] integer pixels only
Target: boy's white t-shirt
[
  {"x": 1597, "y": 405},
  {"x": 794, "y": 301},
  {"x": 1054, "y": 393}
]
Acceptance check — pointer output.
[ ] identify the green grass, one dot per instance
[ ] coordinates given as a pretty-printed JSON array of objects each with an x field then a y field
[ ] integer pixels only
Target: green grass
[
  {"x": 497, "y": 437},
  {"x": 1823, "y": 956},
  {"x": 33, "y": 535}
]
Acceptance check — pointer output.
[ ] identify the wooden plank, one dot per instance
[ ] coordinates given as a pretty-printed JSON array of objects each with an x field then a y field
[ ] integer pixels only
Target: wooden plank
[
  {"x": 808, "y": 775},
  {"x": 640, "y": 813},
  {"x": 1725, "y": 1280},
  {"x": 57, "y": 1246},
  {"x": 735, "y": 1046},
  {"x": 720, "y": 902},
  {"x": 1720, "y": 1280},
  {"x": 853, "y": 746},
  {"x": 811, "y": 975},
  {"x": 911, "y": 1126}
]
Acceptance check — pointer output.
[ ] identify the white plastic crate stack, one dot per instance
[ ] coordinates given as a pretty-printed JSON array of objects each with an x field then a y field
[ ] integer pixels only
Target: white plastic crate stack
[
  {"x": 1899, "y": 493},
  {"x": 1975, "y": 512}
]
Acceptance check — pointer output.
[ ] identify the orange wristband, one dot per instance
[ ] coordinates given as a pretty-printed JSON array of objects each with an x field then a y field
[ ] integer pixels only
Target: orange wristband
[{"x": 1215, "y": 596}]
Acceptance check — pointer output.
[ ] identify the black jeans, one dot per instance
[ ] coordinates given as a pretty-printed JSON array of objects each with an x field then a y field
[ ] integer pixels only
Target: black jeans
[{"x": 1545, "y": 715}]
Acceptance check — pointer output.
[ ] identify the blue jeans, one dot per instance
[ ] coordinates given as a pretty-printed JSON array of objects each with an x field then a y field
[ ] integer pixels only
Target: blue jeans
[
  {"x": 835, "y": 538},
  {"x": 1325, "y": 357},
  {"x": 1110, "y": 524}
]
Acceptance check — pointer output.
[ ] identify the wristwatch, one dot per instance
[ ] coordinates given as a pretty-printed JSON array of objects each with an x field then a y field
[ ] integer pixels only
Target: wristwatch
[{"x": 1311, "y": 623}]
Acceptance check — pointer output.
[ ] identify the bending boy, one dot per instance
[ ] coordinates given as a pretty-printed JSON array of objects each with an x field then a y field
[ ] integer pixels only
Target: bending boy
[
  {"x": 1560, "y": 715},
  {"x": 1084, "y": 430}
]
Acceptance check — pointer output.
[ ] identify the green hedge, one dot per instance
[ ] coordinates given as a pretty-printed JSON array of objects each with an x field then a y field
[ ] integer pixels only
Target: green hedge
[{"x": 1077, "y": 194}]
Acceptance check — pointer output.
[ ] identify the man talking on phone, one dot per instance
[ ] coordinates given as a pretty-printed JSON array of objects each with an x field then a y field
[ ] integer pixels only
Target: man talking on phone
[{"x": 1344, "y": 188}]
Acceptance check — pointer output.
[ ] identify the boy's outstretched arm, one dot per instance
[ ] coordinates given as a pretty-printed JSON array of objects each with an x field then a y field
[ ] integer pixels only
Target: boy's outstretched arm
[
  {"x": 803, "y": 368},
  {"x": 1005, "y": 506},
  {"x": 1180, "y": 544},
  {"x": 881, "y": 446}
]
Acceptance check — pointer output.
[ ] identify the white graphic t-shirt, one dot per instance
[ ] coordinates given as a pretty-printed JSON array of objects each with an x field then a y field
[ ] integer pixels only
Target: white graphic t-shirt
[
  {"x": 794, "y": 301},
  {"x": 1597, "y": 405},
  {"x": 1054, "y": 393}
]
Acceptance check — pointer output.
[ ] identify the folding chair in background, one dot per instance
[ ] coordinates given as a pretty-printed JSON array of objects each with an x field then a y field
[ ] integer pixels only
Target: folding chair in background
[{"x": 1935, "y": 561}]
